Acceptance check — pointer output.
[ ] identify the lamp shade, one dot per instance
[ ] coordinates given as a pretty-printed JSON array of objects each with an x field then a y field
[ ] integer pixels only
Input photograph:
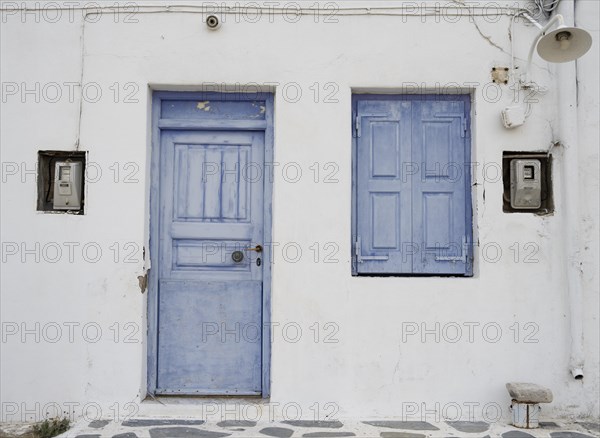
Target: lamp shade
[{"x": 564, "y": 44}]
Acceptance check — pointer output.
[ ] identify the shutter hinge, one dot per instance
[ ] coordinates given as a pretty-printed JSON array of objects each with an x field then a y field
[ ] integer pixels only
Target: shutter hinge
[
  {"x": 361, "y": 258},
  {"x": 357, "y": 126},
  {"x": 463, "y": 120},
  {"x": 463, "y": 257}
]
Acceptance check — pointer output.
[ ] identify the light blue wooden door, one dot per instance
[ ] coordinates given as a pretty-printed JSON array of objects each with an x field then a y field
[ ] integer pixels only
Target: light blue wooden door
[
  {"x": 210, "y": 304},
  {"x": 412, "y": 212}
]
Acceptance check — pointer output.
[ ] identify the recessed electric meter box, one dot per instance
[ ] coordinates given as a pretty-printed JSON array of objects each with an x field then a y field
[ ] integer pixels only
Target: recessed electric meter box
[
  {"x": 61, "y": 181},
  {"x": 67, "y": 185},
  {"x": 525, "y": 184},
  {"x": 527, "y": 179}
]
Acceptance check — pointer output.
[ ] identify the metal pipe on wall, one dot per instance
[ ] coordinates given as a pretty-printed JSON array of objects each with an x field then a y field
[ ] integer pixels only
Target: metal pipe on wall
[{"x": 568, "y": 131}]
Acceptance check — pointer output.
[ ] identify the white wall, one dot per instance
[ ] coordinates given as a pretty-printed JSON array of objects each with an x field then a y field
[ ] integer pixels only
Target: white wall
[{"x": 371, "y": 371}]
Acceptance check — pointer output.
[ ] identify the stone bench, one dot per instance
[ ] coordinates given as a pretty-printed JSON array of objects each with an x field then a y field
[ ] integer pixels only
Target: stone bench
[
  {"x": 526, "y": 399},
  {"x": 529, "y": 393}
]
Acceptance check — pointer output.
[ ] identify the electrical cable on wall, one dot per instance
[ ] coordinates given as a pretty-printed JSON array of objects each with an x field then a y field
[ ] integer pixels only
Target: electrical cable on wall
[
  {"x": 422, "y": 10},
  {"x": 546, "y": 6}
]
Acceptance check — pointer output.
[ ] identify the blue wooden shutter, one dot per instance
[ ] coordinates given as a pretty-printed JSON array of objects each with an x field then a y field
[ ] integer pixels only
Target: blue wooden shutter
[
  {"x": 440, "y": 202},
  {"x": 412, "y": 186},
  {"x": 383, "y": 220}
]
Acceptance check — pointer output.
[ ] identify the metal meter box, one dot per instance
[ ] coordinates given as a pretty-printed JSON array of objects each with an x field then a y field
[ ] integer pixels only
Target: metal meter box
[
  {"x": 67, "y": 185},
  {"x": 525, "y": 184}
]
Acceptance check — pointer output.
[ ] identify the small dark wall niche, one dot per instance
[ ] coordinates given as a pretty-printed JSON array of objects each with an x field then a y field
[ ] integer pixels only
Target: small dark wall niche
[
  {"x": 547, "y": 198},
  {"x": 46, "y": 179}
]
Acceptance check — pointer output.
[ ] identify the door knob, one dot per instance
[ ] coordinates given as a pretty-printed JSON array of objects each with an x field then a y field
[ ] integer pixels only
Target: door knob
[{"x": 257, "y": 248}]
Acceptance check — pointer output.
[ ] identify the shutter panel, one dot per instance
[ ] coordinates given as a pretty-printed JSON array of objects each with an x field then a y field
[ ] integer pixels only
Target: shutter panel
[
  {"x": 383, "y": 199},
  {"x": 441, "y": 216}
]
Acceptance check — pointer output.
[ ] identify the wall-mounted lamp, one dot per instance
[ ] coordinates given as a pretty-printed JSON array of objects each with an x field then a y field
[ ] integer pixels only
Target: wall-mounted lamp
[{"x": 563, "y": 44}]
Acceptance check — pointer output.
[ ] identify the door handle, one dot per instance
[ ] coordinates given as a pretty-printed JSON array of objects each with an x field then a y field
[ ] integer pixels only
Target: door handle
[{"x": 257, "y": 248}]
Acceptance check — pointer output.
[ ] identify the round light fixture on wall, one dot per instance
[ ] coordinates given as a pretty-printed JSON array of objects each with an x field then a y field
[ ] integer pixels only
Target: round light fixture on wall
[{"x": 564, "y": 44}]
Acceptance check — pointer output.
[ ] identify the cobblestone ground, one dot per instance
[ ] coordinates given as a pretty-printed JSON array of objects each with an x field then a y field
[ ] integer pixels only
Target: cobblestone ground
[{"x": 181, "y": 428}]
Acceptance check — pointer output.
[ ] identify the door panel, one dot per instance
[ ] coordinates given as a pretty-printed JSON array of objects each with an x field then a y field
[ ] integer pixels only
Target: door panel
[
  {"x": 210, "y": 306},
  {"x": 210, "y": 337}
]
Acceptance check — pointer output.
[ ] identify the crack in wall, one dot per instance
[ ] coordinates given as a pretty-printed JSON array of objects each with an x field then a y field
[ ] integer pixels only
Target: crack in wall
[{"x": 489, "y": 38}]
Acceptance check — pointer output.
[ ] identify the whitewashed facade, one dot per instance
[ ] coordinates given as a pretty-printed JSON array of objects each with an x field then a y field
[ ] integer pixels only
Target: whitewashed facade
[{"x": 74, "y": 318}]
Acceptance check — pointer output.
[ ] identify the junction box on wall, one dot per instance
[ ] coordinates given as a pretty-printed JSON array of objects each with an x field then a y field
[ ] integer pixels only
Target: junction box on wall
[
  {"x": 61, "y": 181},
  {"x": 527, "y": 182}
]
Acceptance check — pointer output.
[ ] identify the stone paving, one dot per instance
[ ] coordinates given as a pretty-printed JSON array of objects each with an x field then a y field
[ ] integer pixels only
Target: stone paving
[{"x": 191, "y": 428}]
